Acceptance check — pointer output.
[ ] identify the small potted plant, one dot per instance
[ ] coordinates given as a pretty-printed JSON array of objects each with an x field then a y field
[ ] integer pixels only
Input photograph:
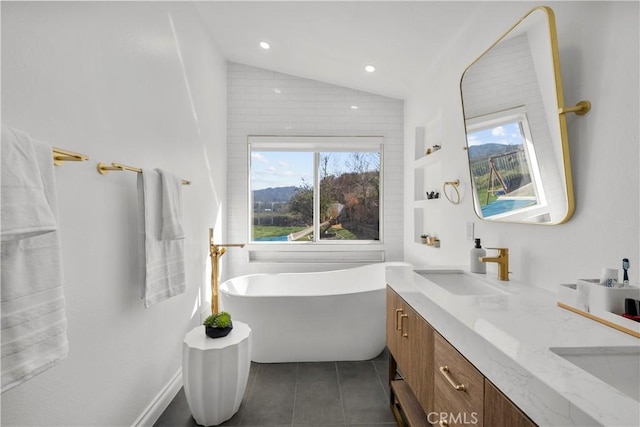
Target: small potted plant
[
  {"x": 424, "y": 237},
  {"x": 218, "y": 325}
]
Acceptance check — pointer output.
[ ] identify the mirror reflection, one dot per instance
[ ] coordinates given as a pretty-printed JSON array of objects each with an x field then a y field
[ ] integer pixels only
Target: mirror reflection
[{"x": 516, "y": 139}]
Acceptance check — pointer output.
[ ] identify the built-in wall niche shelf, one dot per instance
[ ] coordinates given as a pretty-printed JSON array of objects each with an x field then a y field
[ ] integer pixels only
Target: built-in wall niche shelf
[
  {"x": 424, "y": 151},
  {"x": 426, "y": 202},
  {"x": 420, "y": 144},
  {"x": 419, "y": 226},
  {"x": 427, "y": 160},
  {"x": 422, "y": 223},
  {"x": 427, "y": 180},
  {"x": 418, "y": 185}
]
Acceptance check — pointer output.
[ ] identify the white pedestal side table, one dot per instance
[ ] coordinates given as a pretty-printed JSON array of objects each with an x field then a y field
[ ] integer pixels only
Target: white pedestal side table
[{"x": 215, "y": 373}]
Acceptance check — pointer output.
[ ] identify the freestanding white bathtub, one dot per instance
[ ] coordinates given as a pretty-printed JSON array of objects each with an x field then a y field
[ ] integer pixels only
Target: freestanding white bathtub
[{"x": 311, "y": 317}]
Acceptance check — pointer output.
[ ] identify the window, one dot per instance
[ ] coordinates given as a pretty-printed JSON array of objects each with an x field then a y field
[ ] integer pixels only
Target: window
[
  {"x": 315, "y": 189},
  {"x": 503, "y": 163}
]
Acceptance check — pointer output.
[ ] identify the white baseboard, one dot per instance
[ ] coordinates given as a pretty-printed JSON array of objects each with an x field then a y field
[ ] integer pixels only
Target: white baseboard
[{"x": 158, "y": 405}]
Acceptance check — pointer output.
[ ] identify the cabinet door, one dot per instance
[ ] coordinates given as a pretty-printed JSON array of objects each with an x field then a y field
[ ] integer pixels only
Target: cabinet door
[
  {"x": 399, "y": 315},
  {"x": 420, "y": 360},
  {"x": 410, "y": 342},
  {"x": 458, "y": 387},
  {"x": 499, "y": 411}
]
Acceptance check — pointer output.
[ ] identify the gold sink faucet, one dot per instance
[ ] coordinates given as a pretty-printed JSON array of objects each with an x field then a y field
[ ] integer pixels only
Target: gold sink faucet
[{"x": 502, "y": 260}]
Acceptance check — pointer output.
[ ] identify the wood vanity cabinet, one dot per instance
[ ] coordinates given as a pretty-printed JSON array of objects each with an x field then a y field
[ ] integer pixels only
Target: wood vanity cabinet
[
  {"x": 410, "y": 344},
  {"x": 431, "y": 382}
]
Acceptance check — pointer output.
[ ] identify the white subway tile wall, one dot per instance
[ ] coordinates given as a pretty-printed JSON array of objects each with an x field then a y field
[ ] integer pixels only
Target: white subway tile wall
[{"x": 264, "y": 102}]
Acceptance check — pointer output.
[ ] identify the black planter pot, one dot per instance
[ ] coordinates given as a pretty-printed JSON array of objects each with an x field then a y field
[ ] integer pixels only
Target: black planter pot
[{"x": 218, "y": 332}]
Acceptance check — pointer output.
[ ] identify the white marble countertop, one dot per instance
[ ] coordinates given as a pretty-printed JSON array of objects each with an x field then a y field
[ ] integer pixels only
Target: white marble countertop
[{"x": 507, "y": 338}]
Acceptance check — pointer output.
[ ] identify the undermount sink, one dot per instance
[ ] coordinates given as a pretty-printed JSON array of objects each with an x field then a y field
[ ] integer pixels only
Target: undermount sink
[
  {"x": 617, "y": 366},
  {"x": 459, "y": 282}
]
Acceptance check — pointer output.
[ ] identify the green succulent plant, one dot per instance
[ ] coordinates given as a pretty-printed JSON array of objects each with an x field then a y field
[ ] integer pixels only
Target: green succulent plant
[{"x": 220, "y": 320}]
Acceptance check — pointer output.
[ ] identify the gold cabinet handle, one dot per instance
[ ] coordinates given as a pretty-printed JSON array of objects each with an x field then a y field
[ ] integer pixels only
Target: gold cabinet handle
[
  {"x": 398, "y": 311},
  {"x": 444, "y": 370},
  {"x": 402, "y": 317}
]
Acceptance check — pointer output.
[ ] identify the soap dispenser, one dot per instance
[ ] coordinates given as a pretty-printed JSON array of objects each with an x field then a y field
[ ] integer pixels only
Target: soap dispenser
[{"x": 477, "y": 266}]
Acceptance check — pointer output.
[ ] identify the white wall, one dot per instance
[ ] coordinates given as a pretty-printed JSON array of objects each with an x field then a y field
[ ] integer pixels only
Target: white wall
[
  {"x": 599, "y": 47},
  {"x": 264, "y": 102},
  {"x": 137, "y": 83}
]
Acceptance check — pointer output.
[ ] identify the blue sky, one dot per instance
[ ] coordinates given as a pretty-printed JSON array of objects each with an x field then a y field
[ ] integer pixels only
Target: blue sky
[
  {"x": 278, "y": 169},
  {"x": 283, "y": 169},
  {"x": 508, "y": 134}
]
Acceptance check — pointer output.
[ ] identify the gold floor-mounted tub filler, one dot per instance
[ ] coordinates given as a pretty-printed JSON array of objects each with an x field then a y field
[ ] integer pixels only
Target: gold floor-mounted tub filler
[{"x": 215, "y": 252}]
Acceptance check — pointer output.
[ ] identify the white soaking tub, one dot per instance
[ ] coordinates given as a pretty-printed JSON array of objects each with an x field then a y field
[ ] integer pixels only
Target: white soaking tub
[{"x": 311, "y": 317}]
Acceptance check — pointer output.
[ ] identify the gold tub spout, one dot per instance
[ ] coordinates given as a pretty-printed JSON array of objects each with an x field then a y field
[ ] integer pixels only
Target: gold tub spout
[
  {"x": 215, "y": 252},
  {"x": 502, "y": 259}
]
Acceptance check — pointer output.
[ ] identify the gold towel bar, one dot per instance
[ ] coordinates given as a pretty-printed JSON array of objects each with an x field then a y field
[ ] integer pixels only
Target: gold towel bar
[
  {"x": 104, "y": 168},
  {"x": 60, "y": 156}
]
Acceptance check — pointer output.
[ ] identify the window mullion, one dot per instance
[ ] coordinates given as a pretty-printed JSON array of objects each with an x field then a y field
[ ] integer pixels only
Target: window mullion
[{"x": 316, "y": 197}]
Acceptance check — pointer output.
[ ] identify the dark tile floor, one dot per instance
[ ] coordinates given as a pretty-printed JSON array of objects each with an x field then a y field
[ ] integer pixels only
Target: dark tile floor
[{"x": 305, "y": 394}]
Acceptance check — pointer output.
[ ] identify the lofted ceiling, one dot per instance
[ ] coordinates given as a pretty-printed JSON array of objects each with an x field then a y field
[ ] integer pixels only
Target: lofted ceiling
[{"x": 332, "y": 41}]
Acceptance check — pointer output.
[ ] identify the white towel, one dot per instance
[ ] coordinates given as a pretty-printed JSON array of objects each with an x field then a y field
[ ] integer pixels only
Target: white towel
[
  {"x": 161, "y": 261},
  {"x": 171, "y": 206},
  {"x": 25, "y": 210},
  {"x": 33, "y": 320}
]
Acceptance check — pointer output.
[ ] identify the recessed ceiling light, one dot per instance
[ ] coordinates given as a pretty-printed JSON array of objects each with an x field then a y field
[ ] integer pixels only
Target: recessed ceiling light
[
  {"x": 354, "y": 107},
  {"x": 265, "y": 45},
  {"x": 370, "y": 68}
]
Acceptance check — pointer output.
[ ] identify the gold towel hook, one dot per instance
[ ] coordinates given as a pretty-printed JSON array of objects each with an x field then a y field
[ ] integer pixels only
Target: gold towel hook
[{"x": 581, "y": 108}]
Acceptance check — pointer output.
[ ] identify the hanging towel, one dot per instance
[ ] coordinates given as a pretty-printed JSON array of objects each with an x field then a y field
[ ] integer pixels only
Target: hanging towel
[
  {"x": 171, "y": 206},
  {"x": 25, "y": 210},
  {"x": 33, "y": 321},
  {"x": 162, "y": 267}
]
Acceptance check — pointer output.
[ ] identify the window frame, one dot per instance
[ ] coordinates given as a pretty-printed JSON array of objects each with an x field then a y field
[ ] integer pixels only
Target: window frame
[
  {"x": 514, "y": 115},
  {"x": 315, "y": 145}
]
